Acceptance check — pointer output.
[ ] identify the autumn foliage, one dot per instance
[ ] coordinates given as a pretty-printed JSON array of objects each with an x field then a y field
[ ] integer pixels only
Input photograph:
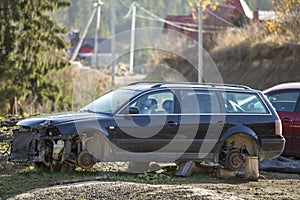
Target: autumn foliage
[
  {"x": 287, "y": 21},
  {"x": 195, "y": 5}
]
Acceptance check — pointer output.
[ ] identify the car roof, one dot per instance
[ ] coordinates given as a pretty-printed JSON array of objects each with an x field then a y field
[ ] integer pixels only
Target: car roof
[
  {"x": 283, "y": 86},
  {"x": 151, "y": 85}
]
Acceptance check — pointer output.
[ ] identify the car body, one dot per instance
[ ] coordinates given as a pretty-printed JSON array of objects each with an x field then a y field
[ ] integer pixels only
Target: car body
[
  {"x": 286, "y": 100},
  {"x": 165, "y": 122}
]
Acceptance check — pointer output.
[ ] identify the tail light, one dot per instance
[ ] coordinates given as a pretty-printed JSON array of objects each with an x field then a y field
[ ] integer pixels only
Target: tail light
[{"x": 278, "y": 127}]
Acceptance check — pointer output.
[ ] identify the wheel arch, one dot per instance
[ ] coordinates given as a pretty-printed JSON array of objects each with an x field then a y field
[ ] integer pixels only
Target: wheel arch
[
  {"x": 97, "y": 143},
  {"x": 243, "y": 135}
]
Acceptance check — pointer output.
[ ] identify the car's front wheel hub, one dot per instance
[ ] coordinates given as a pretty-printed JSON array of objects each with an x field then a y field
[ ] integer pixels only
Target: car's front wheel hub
[{"x": 85, "y": 160}]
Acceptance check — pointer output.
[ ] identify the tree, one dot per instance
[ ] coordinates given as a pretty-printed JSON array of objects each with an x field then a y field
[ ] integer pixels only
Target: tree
[
  {"x": 288, "y": 19},
  {"x": 32, "y": 48}
]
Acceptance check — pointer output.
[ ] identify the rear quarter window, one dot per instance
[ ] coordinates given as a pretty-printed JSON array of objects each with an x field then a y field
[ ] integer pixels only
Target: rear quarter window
[{"x": 237, "y": 102}]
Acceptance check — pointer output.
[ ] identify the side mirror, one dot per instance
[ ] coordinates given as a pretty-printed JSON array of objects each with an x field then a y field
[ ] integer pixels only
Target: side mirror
[{"x": 133, "y": 110}]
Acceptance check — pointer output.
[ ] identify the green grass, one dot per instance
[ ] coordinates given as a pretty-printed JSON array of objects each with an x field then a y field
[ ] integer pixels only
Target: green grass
[
  {"x": 150, "y": 178},
  {"x": 30, "y": 179},
  {"x": 162, "y": 178}
]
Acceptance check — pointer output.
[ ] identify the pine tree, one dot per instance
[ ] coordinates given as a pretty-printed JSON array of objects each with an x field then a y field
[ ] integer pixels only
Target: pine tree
[{"x": 32, "y": 49}]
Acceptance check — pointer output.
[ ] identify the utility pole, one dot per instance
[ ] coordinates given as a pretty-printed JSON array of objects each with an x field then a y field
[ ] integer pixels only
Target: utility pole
[
  {"x": 200, "y": 44},
  {"x": 113, "y": 62},
  {"x": 97, "y": 5},
  {"x": 132, "y": 38}
]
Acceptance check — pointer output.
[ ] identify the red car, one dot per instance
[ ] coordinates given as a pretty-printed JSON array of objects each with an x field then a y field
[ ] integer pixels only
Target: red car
[{"x": 286, "y": 100}]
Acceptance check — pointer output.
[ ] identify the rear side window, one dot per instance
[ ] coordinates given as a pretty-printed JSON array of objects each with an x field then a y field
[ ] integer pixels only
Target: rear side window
[
  {"x": 198, "y": 101},
  {"x": 284, "y": 101},
  {"x": 237, "y": 102}
]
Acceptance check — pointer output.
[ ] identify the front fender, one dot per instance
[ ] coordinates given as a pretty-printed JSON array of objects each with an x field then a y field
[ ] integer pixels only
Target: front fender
[{"x": 75, "y": 127}]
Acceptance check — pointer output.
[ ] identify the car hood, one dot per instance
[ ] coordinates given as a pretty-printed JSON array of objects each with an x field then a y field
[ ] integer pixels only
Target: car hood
[{"x": 54, "y": 119}]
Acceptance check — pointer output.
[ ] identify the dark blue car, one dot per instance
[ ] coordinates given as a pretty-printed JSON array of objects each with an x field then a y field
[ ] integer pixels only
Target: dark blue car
[{"x": 165, "y": 122}]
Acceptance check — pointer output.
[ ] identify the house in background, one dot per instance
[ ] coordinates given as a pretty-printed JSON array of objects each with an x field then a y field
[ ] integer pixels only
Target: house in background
[
  {"x": 232, "y": 13},
  {"x": 86, "y": 51},
  {"x": 257, "y": 12}
]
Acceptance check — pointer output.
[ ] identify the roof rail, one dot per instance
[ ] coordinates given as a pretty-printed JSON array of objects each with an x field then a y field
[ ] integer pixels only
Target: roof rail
[
  {"x": 141, "y": 82},
  {"x": 160, "y": 83},
  {"x": 226, "y": 85}
]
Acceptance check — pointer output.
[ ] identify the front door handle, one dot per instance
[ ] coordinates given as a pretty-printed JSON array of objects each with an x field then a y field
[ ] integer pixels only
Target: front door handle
[
  {"x": 286, "y": 119},
  {"x": 220, "y": 123}
]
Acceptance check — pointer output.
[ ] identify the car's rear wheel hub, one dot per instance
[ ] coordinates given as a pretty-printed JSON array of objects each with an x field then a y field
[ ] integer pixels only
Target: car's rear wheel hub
[{"x": 234, "y": 160}]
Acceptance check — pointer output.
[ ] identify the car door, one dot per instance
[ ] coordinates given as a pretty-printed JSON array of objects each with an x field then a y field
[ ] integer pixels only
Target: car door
[
  {"x": 152, "y": 127},
  {"x": 200, "y": 123},
  {"x": 296, "y": 132},
  {"x": 285, "y": 104}
]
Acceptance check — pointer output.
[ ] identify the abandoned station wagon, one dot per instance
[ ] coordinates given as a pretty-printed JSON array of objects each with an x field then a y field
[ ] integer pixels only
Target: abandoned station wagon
[{"x": 146, "y": 121}]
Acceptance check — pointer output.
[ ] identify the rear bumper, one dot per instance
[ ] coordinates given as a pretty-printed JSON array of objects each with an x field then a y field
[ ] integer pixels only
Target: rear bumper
[{"x": 271, "y": 147}]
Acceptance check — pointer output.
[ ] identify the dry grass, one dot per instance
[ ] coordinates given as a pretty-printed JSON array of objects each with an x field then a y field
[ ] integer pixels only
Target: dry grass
[
  {"x": 87, "y": 84},
  {"x": 252, "y": 34}
]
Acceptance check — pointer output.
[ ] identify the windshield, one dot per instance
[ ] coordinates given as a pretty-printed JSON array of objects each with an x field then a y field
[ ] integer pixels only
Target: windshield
[{"x": 110, "y": 102}]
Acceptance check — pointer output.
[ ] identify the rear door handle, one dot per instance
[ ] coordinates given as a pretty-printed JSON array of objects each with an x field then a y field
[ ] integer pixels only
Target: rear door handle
[{"x": 171, "y": 123}]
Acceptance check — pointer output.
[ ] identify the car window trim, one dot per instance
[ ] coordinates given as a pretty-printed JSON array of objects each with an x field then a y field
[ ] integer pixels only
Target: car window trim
[
  {"x": 297, "y": 107},
  {"x": 175, "y": 91}
]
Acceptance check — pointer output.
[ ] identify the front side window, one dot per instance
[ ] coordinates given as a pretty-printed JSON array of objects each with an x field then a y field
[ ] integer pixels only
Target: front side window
[
  {"x": 161, "y": 102},
  {"x": 284, "y": 101},
  {"x": 238, "y": 102}
]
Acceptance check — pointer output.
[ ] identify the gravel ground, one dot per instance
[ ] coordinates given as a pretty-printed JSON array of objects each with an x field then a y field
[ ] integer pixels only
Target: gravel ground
[
  {"x": 273, "y": 186},
  {"x": 122, "y": 190}
]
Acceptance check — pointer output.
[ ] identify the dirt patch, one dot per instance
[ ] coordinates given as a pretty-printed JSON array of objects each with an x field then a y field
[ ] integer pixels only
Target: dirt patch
[{"x": 274, "y": 186}]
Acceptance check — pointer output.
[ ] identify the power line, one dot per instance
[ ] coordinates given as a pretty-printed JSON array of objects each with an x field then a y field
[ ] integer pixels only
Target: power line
[
  {"x": 129, "y": 11},
  {"x": 179, "y": 25},
  {"x": 157, "y": 18},
  {"x": 123, "y": 3},
  {"x": 221, "y": 18},
  {"x": 166, "y": 21}
]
